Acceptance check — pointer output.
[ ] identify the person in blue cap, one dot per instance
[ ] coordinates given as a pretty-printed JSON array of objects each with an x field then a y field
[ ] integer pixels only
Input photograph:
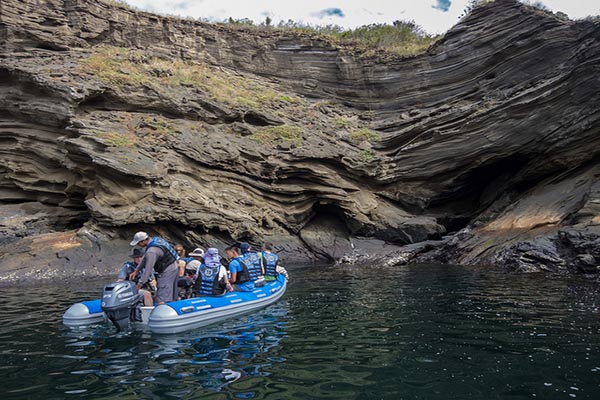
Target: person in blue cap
[{"x": 253, "y": 262}]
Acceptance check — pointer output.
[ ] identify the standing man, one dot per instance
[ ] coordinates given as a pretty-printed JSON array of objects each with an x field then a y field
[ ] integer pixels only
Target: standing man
[{"x": 160, "y": 257}]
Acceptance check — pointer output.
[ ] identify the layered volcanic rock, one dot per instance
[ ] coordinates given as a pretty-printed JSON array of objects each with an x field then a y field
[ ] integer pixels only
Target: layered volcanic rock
[{"x": 114, "y": 120}]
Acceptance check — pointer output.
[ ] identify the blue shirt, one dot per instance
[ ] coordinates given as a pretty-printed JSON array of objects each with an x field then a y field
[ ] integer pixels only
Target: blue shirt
[{"x": 235, "y": 266}]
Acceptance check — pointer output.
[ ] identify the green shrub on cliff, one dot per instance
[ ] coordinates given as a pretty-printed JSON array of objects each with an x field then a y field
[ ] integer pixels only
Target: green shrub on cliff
[
  {"x": 115, "y": 139},
  {"x": 363, "y": 134},
  {"x": 341, "y": 122},
  {"x": 366, "y": 155},
  {"x": 270, "y": 135},
  {"x": 402, "y": 37},
  {"x": 123, "y": 67}
]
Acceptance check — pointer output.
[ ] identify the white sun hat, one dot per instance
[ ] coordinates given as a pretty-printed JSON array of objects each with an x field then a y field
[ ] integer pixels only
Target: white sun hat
[{"x": 198, "y": 252}]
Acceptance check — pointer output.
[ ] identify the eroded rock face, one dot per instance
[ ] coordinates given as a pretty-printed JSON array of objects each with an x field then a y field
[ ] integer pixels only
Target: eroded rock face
[{"x": 115, "y": 120}]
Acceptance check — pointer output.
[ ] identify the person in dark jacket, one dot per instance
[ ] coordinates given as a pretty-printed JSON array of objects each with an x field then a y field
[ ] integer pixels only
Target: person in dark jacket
[{"x": 129, "y": 267}]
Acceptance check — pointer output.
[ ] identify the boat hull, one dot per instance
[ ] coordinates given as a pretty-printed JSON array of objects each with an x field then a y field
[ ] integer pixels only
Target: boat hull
[
  {"x": 193, "y": 313},
  {"x": 182, "y": 315},
  {"x": 84, "y": 313}
]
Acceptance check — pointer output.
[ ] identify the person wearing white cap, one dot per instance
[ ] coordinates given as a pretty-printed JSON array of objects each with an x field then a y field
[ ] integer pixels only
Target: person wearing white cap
[
  {"x": 159, "y": 257},
  {"x": 188, "y": 268},
  {"x": 197, "y": 253}
]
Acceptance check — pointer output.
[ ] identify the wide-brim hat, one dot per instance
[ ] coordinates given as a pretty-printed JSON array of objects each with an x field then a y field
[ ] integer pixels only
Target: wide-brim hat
[
  {"x": 137, "y": 252},
  {"x": 198, "y": 252}
]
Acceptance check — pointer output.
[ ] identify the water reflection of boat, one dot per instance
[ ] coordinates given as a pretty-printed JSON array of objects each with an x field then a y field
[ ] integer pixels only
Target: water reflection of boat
[{"x": 172, "y": 317}]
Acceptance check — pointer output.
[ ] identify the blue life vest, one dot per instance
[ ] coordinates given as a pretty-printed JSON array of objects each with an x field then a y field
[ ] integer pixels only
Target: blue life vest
[
  {"x": 169, "y": 254},
  {"x": 242, "y": 276},
  {"x": 127, "y": 268},
  {"x": 270, "y": 261},
  {"x": 130, "y": 267},
  {"x": 252, "y": 260},
  {"x": 208, "y": 283}
]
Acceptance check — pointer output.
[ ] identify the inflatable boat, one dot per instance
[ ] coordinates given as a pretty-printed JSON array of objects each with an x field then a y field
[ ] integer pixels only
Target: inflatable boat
[{"x": 122, "y": 305}]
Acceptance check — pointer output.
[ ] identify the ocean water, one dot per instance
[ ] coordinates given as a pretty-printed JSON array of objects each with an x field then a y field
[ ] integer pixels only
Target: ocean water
[{"x": 358, "y": 332}]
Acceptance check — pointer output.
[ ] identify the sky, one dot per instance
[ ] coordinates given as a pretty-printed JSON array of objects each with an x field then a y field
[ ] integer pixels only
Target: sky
[{"x": 436, "y": 16}]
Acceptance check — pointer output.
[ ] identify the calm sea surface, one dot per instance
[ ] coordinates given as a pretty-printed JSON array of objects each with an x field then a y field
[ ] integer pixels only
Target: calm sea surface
[{"x": 418, "y": 332}]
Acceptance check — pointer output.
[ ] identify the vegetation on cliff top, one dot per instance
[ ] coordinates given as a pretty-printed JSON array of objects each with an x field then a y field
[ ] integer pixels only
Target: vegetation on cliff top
[{"x": 404, "y": 38}]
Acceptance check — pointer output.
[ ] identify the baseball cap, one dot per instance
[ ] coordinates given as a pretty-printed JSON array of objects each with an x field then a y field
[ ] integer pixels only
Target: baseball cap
[{"x": 138, "y": 237}]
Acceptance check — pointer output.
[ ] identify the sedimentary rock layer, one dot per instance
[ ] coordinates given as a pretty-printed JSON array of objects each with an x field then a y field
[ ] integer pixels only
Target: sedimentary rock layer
[{"x": 112, "y": 120}]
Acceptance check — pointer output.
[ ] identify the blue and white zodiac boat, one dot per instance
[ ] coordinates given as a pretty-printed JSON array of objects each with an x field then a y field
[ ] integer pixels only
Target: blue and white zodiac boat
[{"x": 122, "y": 305}]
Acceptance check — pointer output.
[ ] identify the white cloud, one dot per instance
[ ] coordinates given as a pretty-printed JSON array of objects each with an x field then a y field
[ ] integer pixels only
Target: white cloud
[{"x": 355, "y": 12}]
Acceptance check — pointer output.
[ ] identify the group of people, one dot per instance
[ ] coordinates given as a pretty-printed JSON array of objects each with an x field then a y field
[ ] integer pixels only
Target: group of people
[{"x": 161, "y": 269}]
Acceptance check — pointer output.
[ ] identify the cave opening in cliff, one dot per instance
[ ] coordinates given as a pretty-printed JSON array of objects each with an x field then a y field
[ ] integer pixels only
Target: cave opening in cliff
[
  {"x": 330, "y": 212},
  {"x": 327, "y": 232},
  {"x": 477, "y": 190}
]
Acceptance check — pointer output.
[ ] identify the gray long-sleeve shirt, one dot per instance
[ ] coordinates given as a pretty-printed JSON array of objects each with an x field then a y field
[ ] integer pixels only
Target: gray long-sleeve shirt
[{"x": 148, "y": 262}]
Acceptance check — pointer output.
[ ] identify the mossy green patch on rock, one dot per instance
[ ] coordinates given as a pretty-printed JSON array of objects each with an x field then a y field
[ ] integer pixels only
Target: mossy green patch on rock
[
  {"x": 116, "y": 139},
  {"x": 366, "y": 155},
  {"x": 283, "y": 133},
  {"x": 341, "y": 122},
  {"x": 362, "y": 134},
  {"x": 155, "y": 125},
  {"x": 124, "y": 67}
]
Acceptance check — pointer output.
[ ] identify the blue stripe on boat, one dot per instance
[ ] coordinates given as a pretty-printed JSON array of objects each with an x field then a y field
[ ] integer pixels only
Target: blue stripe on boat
[
  {"x": 204, "y": 303},
  {"x": 93, "y": 305}
]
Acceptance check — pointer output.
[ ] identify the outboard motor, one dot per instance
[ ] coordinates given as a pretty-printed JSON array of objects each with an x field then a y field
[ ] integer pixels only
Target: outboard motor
[{"x": 121, "y": 303}]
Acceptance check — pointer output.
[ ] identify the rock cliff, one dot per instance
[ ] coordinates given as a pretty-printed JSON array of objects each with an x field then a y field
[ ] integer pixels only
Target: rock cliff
[{"x": 482, "y": 150}]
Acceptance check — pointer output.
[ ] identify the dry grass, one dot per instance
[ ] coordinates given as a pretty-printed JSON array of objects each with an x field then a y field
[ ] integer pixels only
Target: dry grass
[
  {"x": 283, "y": 133},
  {"x": 114, "y": 139},
  {"x": 122, "y": 67},
  {"x": 362, "y": 134}
]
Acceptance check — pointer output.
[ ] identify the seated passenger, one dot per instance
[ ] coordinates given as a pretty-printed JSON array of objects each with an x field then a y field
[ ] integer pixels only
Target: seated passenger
[
  {"x": 129, "y": 267},
  {"x": 253, "y": 262},
  {"x": 211, "y": 279},
  {"x": 188, "y": 268},
  {"x": 180, "y": 250},
  {"x": 240, "y": 276},
  {"x": 269, "y": 260}
]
